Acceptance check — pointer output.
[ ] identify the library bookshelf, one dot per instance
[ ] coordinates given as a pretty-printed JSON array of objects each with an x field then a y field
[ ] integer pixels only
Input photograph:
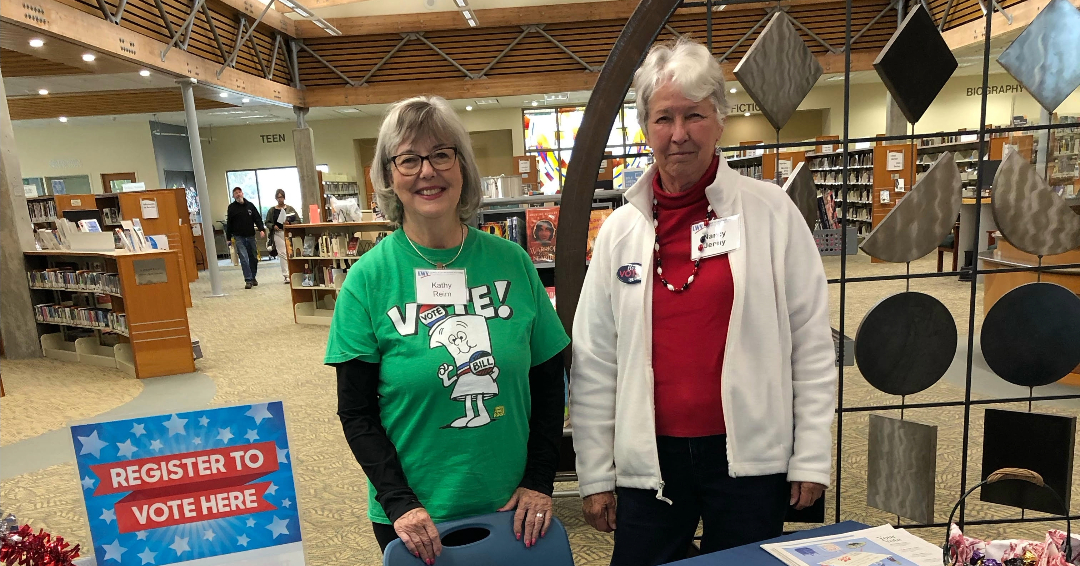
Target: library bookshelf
[
  {"x": 321, "y": 254},
  {"x": 113, "y": 309}
]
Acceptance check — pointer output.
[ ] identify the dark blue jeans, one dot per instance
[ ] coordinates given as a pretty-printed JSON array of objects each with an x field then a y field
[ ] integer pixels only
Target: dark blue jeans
[
  {"x": 734, "y": 511},
  {"x": 248, "y": 253}
]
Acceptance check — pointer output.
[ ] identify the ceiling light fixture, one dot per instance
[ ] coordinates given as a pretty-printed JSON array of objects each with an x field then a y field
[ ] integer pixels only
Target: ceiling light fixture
[
  {"x": 483, "y": 101},
  {"x": 37, "y": 42},
  {"x": 224, "y": 95},
  {"x": 144, "y": 73},
  {"x": 468, "y": 15},
  {"x": 63, "y": 118},
  {"x": 469, "y": 108},
  {"x": 462, "y": 3},
  {"x": 746, "y": 114},
  {"x": 535, "y": 103},
  {"x": 733, "y": 90},
  {"x": 42, "y": 91},
  {"x": 245, "y": 100},
  {"x": 472, "y": 23},
  {"x": 89, "y": 57}
]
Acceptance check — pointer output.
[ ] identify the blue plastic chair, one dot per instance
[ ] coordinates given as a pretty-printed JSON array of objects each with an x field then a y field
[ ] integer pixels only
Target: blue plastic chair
[{"x": 488, "y": 540}]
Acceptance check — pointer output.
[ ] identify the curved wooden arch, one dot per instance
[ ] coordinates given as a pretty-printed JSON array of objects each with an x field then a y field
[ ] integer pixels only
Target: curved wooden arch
[{"x": 629, "y": 51}]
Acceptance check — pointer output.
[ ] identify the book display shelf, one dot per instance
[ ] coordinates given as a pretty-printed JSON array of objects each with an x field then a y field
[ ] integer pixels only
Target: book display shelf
[
  {"x": 828, "y": 171},
  {"x": 319, "y": 257},
  {"x": 114, "y": 309}
]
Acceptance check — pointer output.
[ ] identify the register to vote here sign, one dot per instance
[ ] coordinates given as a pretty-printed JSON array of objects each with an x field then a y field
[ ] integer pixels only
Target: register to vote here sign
[{"x": 189, "y": 487}]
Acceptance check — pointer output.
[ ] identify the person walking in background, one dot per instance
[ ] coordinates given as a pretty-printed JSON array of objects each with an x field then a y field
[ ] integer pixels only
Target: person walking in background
[
  {"x": 276, "y": 219},
  {"x": 240, "y": 223}
]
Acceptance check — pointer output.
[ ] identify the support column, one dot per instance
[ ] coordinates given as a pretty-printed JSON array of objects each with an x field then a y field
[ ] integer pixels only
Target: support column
[
  {"x": 17, "y": 324},
  {"x": 895, "y": 122},
  {"x": 304, "y": 147},
  {"x": 195, "y": 143}
]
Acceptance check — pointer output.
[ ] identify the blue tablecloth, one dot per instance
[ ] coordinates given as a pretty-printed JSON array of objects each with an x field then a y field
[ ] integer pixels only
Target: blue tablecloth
[{"x": 752, "y": 555}]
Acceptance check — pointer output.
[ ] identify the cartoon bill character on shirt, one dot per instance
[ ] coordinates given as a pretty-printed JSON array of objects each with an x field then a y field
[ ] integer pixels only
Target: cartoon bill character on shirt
[{"x": 474, "y": 373}]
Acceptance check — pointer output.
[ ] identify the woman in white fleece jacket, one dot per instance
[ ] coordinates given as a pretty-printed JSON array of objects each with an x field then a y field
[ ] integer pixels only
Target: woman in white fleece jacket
[{"x": 703, "y": 382}]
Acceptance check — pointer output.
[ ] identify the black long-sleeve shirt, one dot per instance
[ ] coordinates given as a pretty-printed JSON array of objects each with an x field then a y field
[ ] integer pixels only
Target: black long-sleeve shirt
[
  {"x": 358, "y": 408},
  {"x": 241, "y": 220}
]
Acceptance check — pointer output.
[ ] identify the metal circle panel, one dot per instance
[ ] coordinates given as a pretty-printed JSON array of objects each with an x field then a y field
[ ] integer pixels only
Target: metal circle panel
[
  {"x": 905, "y": 343},
  {"x": 1031, "y": 336}
]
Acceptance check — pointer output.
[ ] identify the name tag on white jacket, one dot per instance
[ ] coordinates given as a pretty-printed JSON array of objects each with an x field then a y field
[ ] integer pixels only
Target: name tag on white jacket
[{"x": 721, "y": 236}]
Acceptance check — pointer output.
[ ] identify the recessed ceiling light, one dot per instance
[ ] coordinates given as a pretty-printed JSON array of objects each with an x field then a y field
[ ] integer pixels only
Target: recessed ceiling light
[
  {"x": 224, "y": 95},
  {"x": 144, "y": 73},
  {"x": 37, "y": 42},
  {"x": 836, "y": 78},
  {"x": 461, "y": 3},
  {"x": 746, "y": 113},
  {"x": 469, "y": 108},
  {"x": 88, "y": 57},
  {"x": 472, "y": 22},
  {"x": 535, "y": 103},
  {"x": 42, "y": 91},
  {"x": 63, "y": 118},
  {"x": 245, "y": 100},
  {"x": 467, "y": 14},
  {"x": 733, "y": 90},
  {"x": 483, "y": 101}
]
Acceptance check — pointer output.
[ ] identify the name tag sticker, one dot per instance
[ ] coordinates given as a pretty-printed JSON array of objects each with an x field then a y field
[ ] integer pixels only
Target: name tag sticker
[
  {"x": 441, "y": 287},
  {"x": 721, "y": 236}
]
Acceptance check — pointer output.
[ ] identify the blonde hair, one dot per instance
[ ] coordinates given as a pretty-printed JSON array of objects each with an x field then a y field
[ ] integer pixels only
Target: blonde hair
[
  {"x": 689, "y": 65},
  {"x": 424, "y": 118}
]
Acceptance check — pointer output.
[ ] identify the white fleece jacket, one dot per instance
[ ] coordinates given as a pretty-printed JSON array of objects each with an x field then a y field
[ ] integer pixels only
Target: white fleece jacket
[{"x": 778, "y": 381}]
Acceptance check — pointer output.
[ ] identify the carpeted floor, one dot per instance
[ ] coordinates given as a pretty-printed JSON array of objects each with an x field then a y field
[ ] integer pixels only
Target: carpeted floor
[{"x": 254, "y": 351}]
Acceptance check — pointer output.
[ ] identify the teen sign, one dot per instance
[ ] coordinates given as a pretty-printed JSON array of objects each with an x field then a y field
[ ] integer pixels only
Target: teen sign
[{"x": 187, "y": 486}]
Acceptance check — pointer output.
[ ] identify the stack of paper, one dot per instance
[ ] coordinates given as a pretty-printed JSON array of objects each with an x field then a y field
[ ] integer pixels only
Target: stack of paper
[{"x": 879, "y": 546}]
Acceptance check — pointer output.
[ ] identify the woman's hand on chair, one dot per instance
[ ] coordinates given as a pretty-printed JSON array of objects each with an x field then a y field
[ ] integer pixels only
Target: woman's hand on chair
[
  {"x": 533, "y": 510},
  {"x": 418, "y": 532}
]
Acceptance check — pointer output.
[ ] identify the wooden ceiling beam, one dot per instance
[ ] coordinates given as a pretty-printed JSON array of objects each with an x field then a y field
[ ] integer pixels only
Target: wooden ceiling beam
[
  {"x": 103, "y": 103},
  {"x": 975, "y": 32},
  {"x": 512, "y": 85},
  {"x": 52, "y": 18},
  {"x": 273, "y": 18}
]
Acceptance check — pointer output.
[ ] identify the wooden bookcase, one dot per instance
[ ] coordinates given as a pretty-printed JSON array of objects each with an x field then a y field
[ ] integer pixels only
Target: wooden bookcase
[
  {"x": 768, "y": 164},
  {"x": 154, "y": 340},
  {"x": 828, "y": 172},
  {"x": 314, "y": 304},
  {"x": 173, "y": 221}
]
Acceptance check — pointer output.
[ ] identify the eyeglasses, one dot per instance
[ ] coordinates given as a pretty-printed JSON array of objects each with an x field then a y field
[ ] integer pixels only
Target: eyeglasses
[{"x": 410, "y": 164}]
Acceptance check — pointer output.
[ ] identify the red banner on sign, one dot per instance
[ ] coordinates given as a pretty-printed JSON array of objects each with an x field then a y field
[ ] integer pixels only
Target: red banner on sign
[
  {"x": 217, "y": 467},
  {"x": 145, "y": 514}
]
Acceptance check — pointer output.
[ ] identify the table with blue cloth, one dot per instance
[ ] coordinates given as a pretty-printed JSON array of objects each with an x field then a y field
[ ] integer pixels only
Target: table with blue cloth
[{"x": 753, "y": 555}]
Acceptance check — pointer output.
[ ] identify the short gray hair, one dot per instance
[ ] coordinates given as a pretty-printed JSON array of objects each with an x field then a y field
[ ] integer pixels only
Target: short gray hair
[
  {"x": 424, "y": 118},
  {"x": 689, "y": 65}
]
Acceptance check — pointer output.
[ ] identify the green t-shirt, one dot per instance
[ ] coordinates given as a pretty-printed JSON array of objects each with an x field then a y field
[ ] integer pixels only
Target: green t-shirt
[{"x": 453, "y": 380}]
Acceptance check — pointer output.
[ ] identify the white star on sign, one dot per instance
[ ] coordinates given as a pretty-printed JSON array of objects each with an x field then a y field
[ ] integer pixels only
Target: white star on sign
[
  {"x": 147, "y": 556},
  {"x": 208, "y": 535},
  {"x": 242, "y": 540},
  {"x": 138, "y": 430},
  {"x": 108, "y": 515},
  {"x": 87, "y": 483},
  {"x": 155, "y": 445},
  {"x": 180, "y": 546},
  {"x": 203, "y": 421},
  {"x": 252, "y": 435},
  {"x": 286, "y": 503},
  {"x": 251, "y": 522},
  {"x": 196, "y": 441},
  {"x": 259, "y": 412},
  {"x": 272, "y": 489},
  {"x": 281, "y": 452},
  {"x": 278, "y": 527},
  {"x": 224, "y": 435},
  {"x": 92, "y": 444},
  {"x": 114, "y": 551},
  {"x": 126, "y": 449},
  {"x": 175, "y": 425},
  {"x": 141, "y": 535}
]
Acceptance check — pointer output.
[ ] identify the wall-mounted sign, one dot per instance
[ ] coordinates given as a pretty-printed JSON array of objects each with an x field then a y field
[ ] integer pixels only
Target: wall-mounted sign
[
  {"x": 895, "y": 161},
  {"x": 785, "y": 167},
  {"x": 150, "y": 271},
  {"x": 76, "y": 202},
  {"x": 745, "y": 108},
  {"x": 129, "y": 187},
  {"x": 995, "y": 89},
  {"x": 65, "y": 164},
  {"x": 272, "y": 138},
  {"x": 149, "y": 208}
]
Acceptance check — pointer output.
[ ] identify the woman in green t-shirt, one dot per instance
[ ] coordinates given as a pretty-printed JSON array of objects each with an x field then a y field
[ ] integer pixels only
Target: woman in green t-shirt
[{"x": 447, "y": 348}]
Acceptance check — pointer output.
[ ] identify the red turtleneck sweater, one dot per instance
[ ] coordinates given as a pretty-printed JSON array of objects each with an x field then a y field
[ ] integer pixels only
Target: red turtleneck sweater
[{"x": 689, "y": 329}]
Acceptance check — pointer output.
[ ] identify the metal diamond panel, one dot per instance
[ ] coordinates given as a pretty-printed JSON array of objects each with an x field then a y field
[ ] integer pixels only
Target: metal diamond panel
[
  {"x": 1045, "y": 58},
  {"x": 915, "y": 64}
]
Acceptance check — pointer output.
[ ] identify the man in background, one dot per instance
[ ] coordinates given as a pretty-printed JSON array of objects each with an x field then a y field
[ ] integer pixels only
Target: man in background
[{"x": 240, "y": 223}]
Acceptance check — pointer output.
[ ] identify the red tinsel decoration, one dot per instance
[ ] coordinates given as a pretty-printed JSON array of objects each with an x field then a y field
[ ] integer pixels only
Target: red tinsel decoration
[{"x": 24, "y": 548}]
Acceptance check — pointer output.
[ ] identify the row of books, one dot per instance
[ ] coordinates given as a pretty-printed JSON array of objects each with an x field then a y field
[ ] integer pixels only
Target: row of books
[
  {"x": 329, "y": 244},
  {"x": 942, "y": 140},
  {"x": 752, "y": 171},
  {"x": 82, "y": 280},
  {"x": 863, "y": 176},
  {"x": 837, "y": 161},
  {"x": 42, "y": 210},
  {"x": 323, "y": 276},
  {"x": 538, "y": 232},
  {"x": 86, "y": 317},
  {"x": 862, "y": 196}
]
